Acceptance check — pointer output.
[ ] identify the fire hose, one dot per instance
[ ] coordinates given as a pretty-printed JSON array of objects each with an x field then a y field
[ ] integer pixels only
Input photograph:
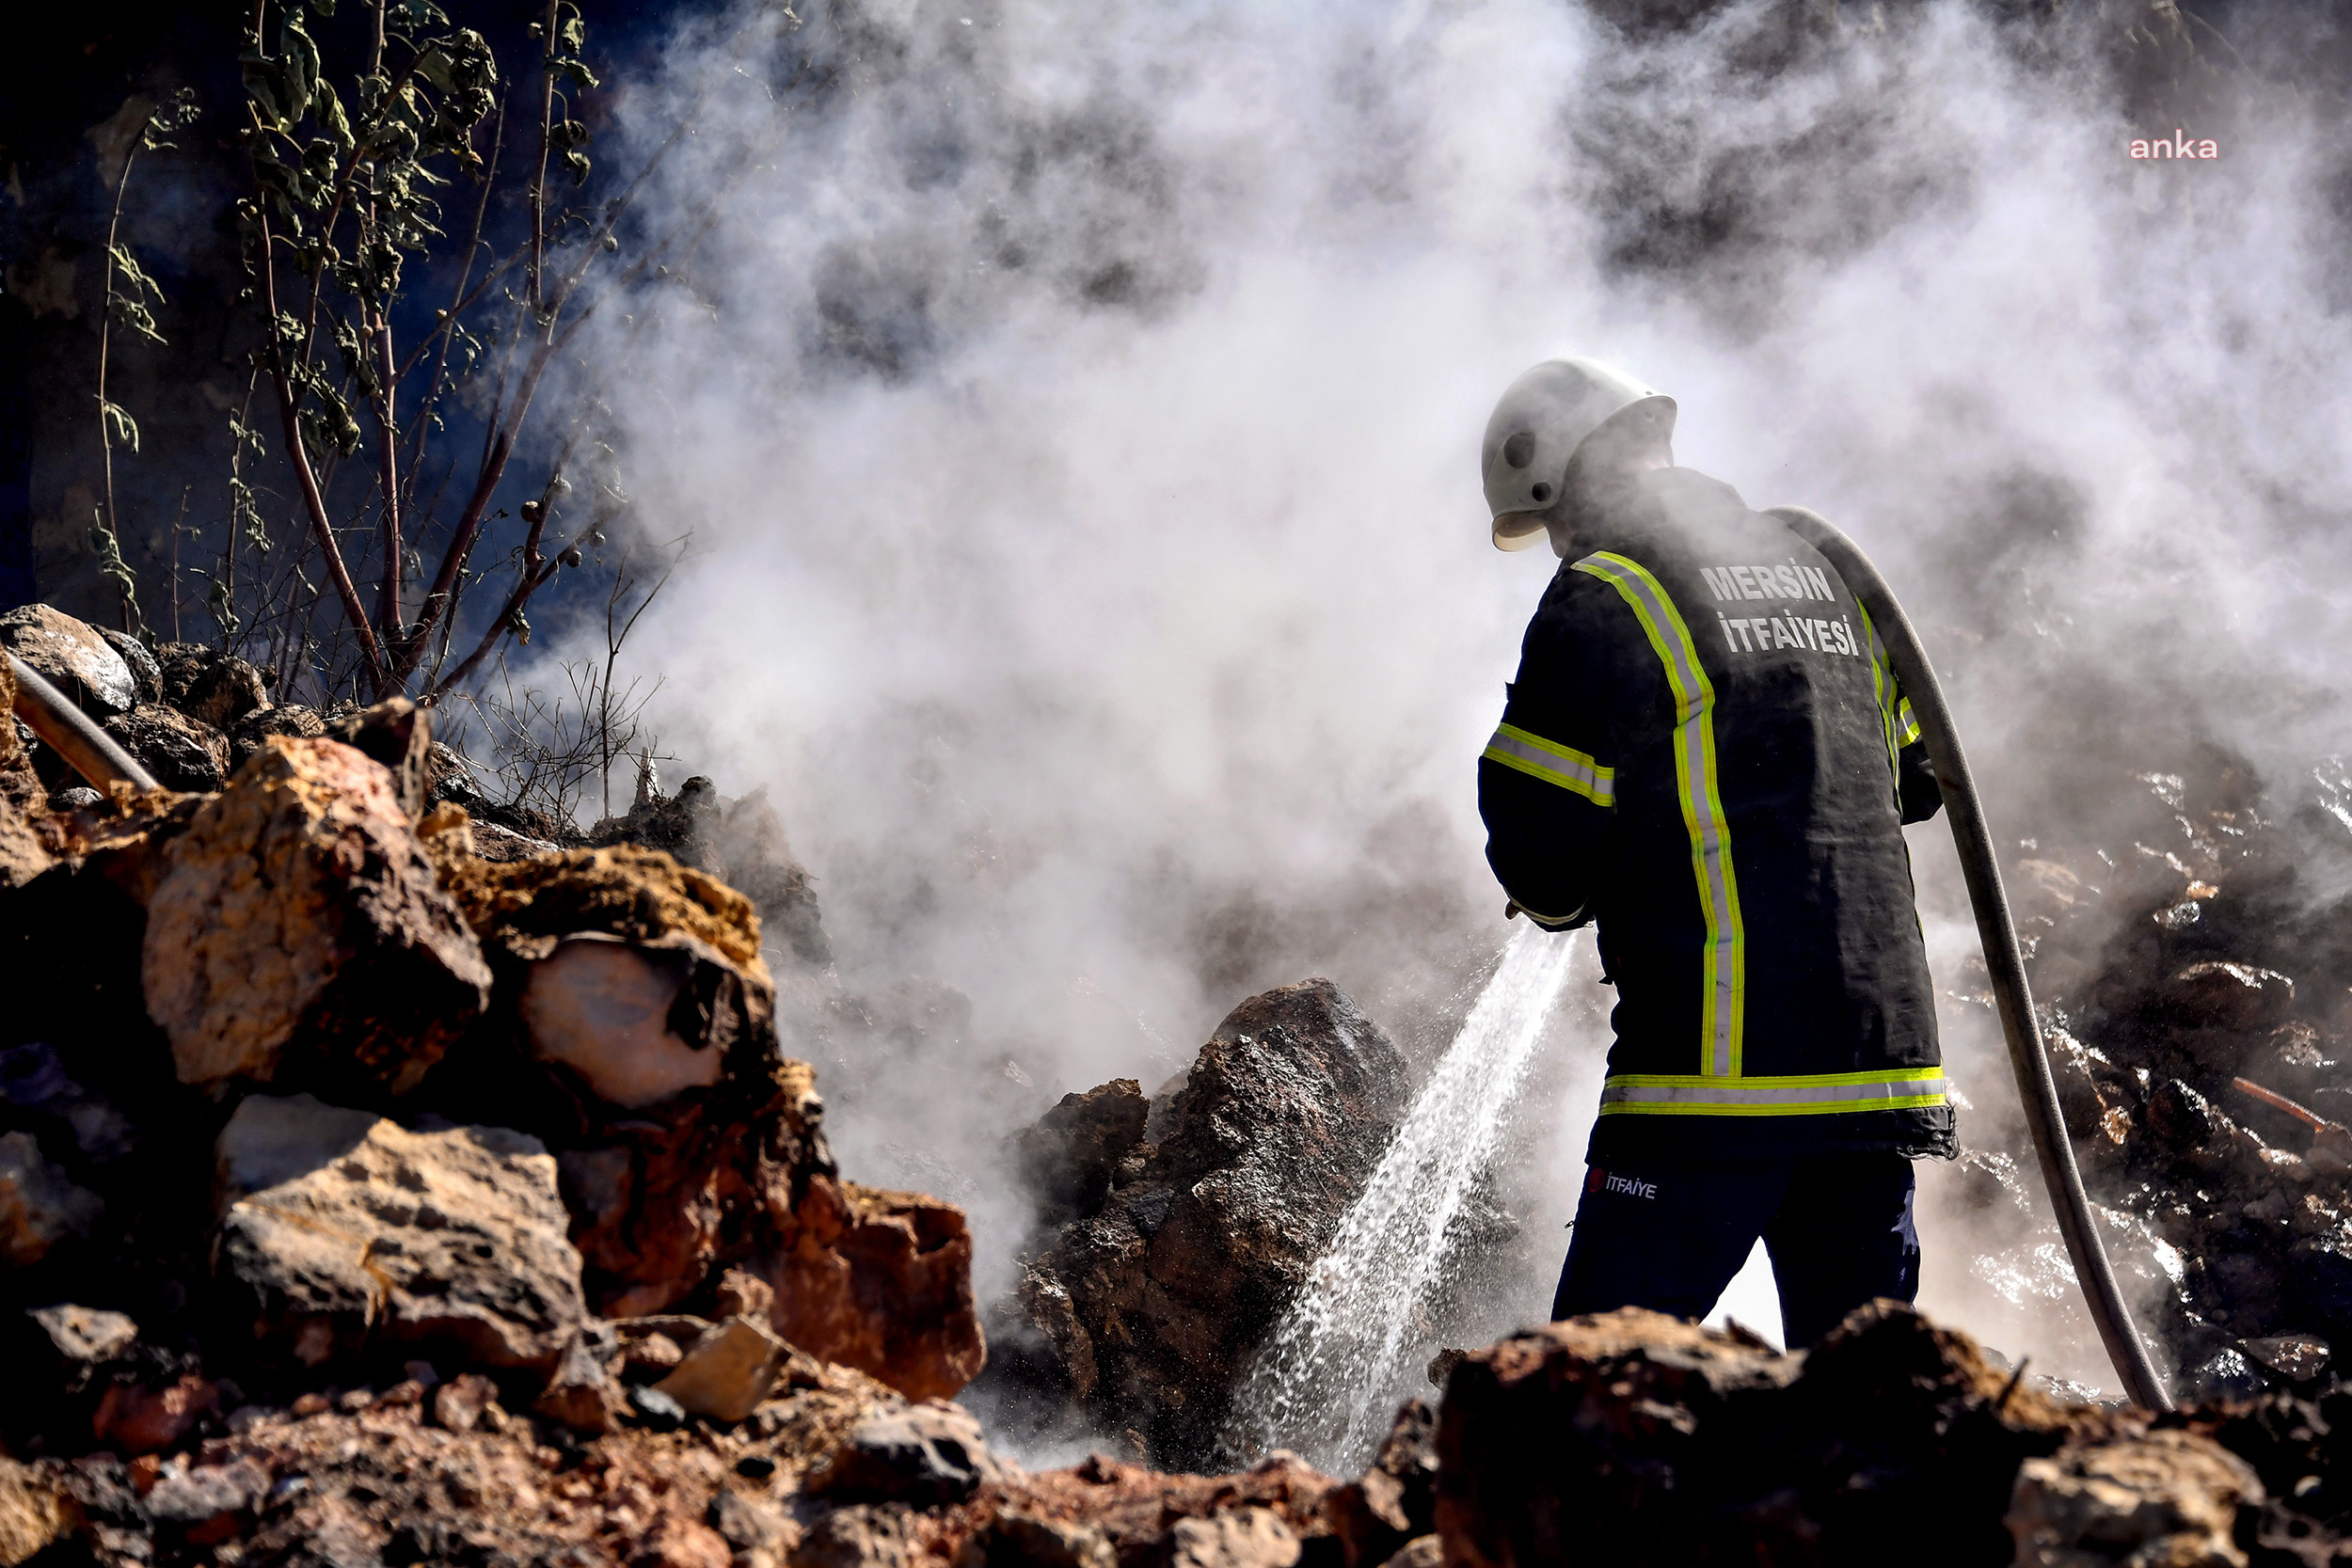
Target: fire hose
[
  {"x": 90, "y": 751},
  {"x": 2003, "y": 958}
]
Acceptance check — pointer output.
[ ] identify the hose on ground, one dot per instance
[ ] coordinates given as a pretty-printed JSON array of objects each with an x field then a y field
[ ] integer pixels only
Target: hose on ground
[
  {"x": 2003, "y": 959},
  {"x": 88, "y": 749}
]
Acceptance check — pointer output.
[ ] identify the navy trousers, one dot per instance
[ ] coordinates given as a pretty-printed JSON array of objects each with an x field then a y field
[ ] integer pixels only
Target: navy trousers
[{"x": 1670, "y": 1235}]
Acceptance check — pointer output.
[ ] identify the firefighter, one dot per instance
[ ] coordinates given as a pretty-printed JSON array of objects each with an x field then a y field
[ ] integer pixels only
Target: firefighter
[{"x": 1706, "y": 757}]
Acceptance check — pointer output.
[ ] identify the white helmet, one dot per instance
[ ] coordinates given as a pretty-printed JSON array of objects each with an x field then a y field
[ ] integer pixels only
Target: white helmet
[{"x": 1543, "y": 418}]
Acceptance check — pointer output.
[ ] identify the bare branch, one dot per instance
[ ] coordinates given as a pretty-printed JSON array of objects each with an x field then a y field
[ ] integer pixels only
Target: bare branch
[{"x": 299, "y": 458}]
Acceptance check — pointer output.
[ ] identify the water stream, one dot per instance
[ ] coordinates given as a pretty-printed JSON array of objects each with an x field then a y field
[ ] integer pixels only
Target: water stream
[{"x": 1329, "y": 1378}]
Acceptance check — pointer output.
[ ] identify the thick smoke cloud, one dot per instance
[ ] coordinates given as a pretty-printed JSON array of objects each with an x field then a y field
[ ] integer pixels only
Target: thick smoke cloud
[{"x": 1076, "y": 410}]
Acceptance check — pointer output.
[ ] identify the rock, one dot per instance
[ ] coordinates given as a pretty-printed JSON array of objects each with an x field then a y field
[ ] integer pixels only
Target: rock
[
  {"x": 1676, "y": 1444},
  {"x": 291, "y": 720},
  {"x": 125, "y": 839},
  {"x": 1426, "y": 1551},
  {"x": 74, "y": 1342},
  {"x": 2164, "y": 1497},
  {"x": 1246, "y": 1538},
  {"x": 676, "y": 1543},
  {"x": 741, "y": 842},
  {"x": 2185, "y": 1120},
  {"x": 39, "y": 1207},
  {"x": 755, "y": 857},
  {"x": 859, "y": 1536},
  {"x": 299, "y": 934},
  {"x": 658, "y": 1410},
  {"x": 732, "y": 1171},
  {"x": 202, "y": 1493},
  {"x": 1150, "y": 1310},
  {"x": 1395, "y": 1500},
  {"x": 582, "y": 1394},
  {"x": 741, "y": 1293},
  {"x": 726, "y": 1372},
  {"x": 650, "y": 1355},
  {"x": 1572, "y": 1467},
  {"x": 219, "y": 688},
  {"x": 524, "y": 911},
  {"x": 23, "y": 854},
  {"x": 2234, "y": 996},
  {"x": 1014, "y": 1539},
  {"x": 62, "y": 1361},
  {"x": 2297, "y": 1358},
  {"x": 21, "y": 783},
  {"x": 142, "y": 1419},
  {"x": 476, "y": 840},
  {"x": 690, "y": 969},
  {"x": 1132, "y": 1507},
  {"x": 465, "y": 1401},
  {"x": 397, "y": 734},
  {"x": 877, "y": 1280},
  {"x": 752, "y": 1526},
  {"x": 183, "y": 754},
  {"x": 73, "y": 656},
  {"x": 1068, "y": 1157},
  {"x": 340, "y": 1231},
  {"x": 147, "y": 676},
  {"x": 928, "y": 1453},
  {"x": 33, "y": 1513},
  {"x": 99, "y": 1131},
  {"x": 601, "y": 1008},
  {"x": 504, "y": 846}
]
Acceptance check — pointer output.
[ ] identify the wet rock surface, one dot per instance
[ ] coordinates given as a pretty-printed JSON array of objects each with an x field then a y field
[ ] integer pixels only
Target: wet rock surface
[
  {"x": 1071, "y": 1157},
  {"x": 1142, "y": 1315},
  {"x": 2192, "y": 967}
]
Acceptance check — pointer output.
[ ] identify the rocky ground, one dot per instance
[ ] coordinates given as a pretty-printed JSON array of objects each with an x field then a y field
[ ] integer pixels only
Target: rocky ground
[
  {"x": 2195, "y": 958},
  {"x": 381, "y": 1183},
  {"x": 1177, "y": 1228}
]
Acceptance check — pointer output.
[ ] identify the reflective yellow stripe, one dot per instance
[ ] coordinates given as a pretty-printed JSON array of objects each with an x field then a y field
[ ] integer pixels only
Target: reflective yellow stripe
[
  {"x": 1564, "y": 766},
  {"x": 1723, "y": 982},
  {"x": 1812, "y": 1095},
  {"x": 1909, "y": 722},
  {"x": 1890, "y": 703}
]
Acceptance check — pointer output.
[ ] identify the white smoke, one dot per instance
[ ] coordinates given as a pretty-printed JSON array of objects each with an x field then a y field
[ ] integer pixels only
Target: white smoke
[{"x": 1076, "y": 410}]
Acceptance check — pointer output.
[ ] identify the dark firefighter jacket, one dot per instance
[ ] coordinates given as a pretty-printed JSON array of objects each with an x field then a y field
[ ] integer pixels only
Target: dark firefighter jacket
[{"x": 1705, "y": 753}]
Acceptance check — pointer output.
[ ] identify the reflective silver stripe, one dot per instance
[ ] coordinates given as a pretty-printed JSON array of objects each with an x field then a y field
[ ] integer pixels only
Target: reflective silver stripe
[
  {"x": 1570, "y": 769},
  {"x": 1709, "y": 1091},
  {"x": 1724, "y": 978}
]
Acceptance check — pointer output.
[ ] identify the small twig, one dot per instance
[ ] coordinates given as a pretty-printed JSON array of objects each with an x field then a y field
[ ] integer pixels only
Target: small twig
[
  {"x": 2309, "y": 1118},
  {"x": 179, "y": 524},
  {"x": 2015, "y": 1378}
]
